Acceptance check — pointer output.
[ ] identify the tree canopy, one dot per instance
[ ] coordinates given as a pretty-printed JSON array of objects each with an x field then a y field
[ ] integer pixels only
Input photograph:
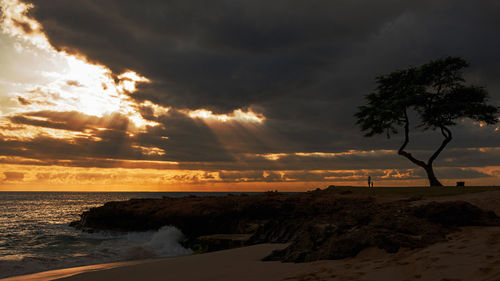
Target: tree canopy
[{"x": 437, "y": 92}]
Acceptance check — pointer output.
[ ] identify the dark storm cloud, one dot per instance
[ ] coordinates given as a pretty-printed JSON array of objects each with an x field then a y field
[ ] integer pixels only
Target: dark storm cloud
[
  {"x": 95, "y": 137},
  {"x": 217, "y": 54},
  {"x": 112, "y": 145},
  {"x": 305, "y": 65},
  {"x": 71, "y": 120},
  {"x": 109, "y": 137},
  {"x": 184, "y": 139},
  {"x": 454, "y": 173}
]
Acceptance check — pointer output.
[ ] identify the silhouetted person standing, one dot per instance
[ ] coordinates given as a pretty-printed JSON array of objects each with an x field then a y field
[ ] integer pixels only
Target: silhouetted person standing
[{"x": 369, "y": 181}]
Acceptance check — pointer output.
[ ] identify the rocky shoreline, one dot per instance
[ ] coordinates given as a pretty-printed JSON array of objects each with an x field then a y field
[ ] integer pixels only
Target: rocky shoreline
[{"x": 321, "y": 224}]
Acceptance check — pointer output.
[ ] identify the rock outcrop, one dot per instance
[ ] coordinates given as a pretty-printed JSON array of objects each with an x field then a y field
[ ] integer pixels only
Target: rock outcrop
[{"x": 318, "y": 225}]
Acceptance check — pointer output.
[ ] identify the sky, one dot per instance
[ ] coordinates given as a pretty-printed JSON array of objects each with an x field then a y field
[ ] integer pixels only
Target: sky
[{"x": 229, "y": 95}]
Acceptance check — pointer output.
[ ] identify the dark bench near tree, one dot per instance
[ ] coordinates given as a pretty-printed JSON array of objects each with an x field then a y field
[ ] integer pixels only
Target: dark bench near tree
[{"x": 439, "y": 96}]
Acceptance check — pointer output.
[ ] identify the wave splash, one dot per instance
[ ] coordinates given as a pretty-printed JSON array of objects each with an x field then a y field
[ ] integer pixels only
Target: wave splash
[
  {"x": 95, "y": 248},
  {"x": 163, "y": 243}
]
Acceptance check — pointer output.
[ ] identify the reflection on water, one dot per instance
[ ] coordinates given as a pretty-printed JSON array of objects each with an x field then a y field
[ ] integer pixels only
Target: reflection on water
[{"x": 35, "y": 236}]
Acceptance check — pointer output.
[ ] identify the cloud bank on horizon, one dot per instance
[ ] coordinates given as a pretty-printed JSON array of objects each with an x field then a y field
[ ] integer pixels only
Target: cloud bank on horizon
[{"x": 213, "y": 93}]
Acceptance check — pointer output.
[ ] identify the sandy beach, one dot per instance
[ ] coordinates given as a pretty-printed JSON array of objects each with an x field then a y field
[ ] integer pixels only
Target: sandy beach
[{"x": 470, "y": 254}]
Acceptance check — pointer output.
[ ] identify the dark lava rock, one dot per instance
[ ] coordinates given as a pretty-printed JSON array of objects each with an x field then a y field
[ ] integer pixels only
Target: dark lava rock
[
  {"x": 455, "y": 213},
  {"x": 216, "y": 242},
  {"x": 389, "y": 226},
  {"x": 318, "y": 225}
]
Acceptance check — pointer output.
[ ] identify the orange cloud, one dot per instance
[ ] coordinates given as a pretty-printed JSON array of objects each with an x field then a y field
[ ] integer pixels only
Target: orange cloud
[{"x": 13, "y": 176}]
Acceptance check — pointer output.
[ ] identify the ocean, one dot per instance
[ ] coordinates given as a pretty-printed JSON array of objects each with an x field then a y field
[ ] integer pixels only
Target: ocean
[{"x": 35, "y": 236}]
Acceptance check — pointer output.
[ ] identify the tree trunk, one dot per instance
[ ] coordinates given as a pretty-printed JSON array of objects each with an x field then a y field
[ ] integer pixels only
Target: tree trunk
[{"x": 433, "y": 181}]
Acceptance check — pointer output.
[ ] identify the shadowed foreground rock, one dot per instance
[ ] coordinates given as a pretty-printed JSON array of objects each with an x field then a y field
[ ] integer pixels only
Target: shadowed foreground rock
[
  {"x": 318, "y": 225},
  {"x": 387, "y": 226}
]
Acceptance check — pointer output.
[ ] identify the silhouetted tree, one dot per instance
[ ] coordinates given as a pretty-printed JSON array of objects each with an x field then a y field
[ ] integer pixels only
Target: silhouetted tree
[{"x": 436, "y": 92}]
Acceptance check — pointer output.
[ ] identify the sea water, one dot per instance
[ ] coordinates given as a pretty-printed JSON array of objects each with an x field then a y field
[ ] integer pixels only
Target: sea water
[{"x": 35, "y": 236}]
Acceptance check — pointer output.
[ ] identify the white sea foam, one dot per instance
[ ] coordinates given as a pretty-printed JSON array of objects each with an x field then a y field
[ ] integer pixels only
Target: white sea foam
[
  {"x": 35, "y": 236},
  {"x": 113, "y": 247},
  {"x": 166, "y": 242},
  {"x": 162, "y": 243}
]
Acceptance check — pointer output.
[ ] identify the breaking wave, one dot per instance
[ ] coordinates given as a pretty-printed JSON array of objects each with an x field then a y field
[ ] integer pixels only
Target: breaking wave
[
  {"x": 98, "y": 248},
  {"x": 35, "y": 236}
]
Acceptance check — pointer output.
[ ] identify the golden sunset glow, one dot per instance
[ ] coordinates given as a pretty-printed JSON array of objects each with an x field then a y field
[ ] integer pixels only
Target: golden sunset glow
[
  {"x": 129, "y": 79},
  {"x": 129, "y": 179},
  {"x": 16, "y": 23},
  {"x": 361, "y": 153},
  {"x": 236, "y": 115},
  {"x": 76, "y": 84},
  {"x": 71, "y": 118}
]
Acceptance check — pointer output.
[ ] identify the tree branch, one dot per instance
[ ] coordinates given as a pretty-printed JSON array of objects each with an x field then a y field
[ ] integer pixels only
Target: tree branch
[
  {"x": 447, "y": 138},
  {"x": 407, "y": 130},
  {"x": 405, "y": 143}
]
